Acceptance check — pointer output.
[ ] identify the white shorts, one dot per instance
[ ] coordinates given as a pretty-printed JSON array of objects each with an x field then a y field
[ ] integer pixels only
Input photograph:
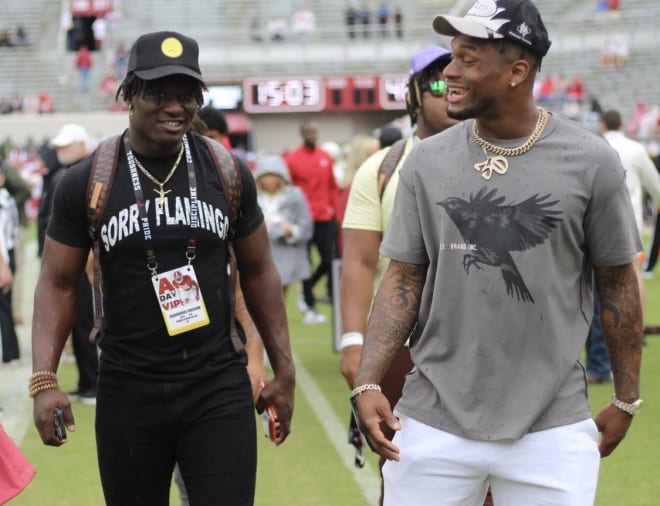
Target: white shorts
[{"x": 552, "y": 467}]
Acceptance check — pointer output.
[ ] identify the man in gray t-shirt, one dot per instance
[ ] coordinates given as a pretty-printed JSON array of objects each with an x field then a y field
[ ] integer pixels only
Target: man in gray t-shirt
[{"x": 498, "y": 224}]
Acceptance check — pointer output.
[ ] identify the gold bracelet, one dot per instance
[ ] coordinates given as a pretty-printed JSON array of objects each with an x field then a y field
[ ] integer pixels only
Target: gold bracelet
[
  {"x": 365, "y": 388},
  {"x": 40, "y": 381}
]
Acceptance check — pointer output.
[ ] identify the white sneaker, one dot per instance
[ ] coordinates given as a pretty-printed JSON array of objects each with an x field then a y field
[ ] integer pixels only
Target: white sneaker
[
  {"x": 302, "y": 306},
  {"x": 313, "y": 317}
]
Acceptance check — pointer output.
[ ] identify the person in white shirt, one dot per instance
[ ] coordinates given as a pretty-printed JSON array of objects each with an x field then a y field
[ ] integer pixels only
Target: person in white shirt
[{"x": 641, "y": 173}]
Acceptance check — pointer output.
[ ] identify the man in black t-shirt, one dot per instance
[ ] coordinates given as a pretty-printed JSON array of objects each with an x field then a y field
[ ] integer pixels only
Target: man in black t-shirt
[{"x": 172, "y": 385}]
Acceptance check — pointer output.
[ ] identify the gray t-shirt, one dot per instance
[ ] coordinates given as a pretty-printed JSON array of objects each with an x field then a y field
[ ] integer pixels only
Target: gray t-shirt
[{"x": 507, "y": 302}]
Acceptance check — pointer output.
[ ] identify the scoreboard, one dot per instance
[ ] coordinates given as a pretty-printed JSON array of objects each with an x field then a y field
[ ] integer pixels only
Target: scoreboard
[{"x": 317, "y": 93}]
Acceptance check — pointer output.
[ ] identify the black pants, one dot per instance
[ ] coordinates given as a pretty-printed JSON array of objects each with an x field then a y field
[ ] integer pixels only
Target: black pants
[
  {"x": 325, "y": 239},
  {"x": 10, "y": 349},
  {"x": 85, "y": 352},
  {"x": 206, "y": 425}
]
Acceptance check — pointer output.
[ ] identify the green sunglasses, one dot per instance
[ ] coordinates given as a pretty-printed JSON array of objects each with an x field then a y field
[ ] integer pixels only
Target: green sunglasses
[{"x": 437, "y": 88}]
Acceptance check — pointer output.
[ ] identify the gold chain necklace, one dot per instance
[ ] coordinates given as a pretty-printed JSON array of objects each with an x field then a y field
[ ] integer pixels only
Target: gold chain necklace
[
  {"x": 499, "y": 163},
  {"x": 161, "y": 192}
]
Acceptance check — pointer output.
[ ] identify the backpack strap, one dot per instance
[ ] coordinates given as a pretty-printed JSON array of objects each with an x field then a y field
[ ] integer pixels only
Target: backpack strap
[
  {"x": 226, "y": 165},
  {"x": 388, "y": 165},
  {"x": 100, "y": 181}
]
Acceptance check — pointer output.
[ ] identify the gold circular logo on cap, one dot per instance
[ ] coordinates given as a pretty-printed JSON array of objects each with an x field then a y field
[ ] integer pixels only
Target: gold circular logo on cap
[{"x": 171, "y": 47}]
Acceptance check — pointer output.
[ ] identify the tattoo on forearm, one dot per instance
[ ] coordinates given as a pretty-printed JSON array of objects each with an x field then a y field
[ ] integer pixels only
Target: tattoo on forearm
[
  {"x": 392, "y": 319},
  {"x": 621, "y": 322}
]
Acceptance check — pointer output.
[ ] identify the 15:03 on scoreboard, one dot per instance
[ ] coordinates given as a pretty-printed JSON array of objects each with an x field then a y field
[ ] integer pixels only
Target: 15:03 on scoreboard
[{"x": 288, "y": 94}]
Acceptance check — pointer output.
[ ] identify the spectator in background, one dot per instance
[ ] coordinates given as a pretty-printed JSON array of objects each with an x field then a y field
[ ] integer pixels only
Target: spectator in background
[
  {"x": 21, "y": 38},
  {"x": 121, "y": 62},
  {"x": 351, "y": 18},
  {"x": 398, "y": 22},
  {"x": 360, "y": 148},
  {"x": 288, "y": 220},
  {"x": 576, "y": 89},
  {"x": 389, "y": 134},
  {"x": 310, "y": 168},
  {"x": 5, "y": 39},
  {"x": 8, "y": 242},
  {"x": 216, "y": 125},
  {"x": 84, "y": 65},
  {"x": 632, "y": 126},
  {"x": 384, "y": 12},
  {"x": 277, "y": 29},
  {"x": 303, "y": 22},
  {"x": 256, "y": 34},
  {"x": 46, "y": 104},
  {"x": 364, "y": 15},
  {"x": 49, "y": 177},
  {"x": 20, "y": 191}
]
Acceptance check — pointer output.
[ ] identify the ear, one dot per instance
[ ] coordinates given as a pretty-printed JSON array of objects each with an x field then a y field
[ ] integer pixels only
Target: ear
[{"x": 520, "y": 72}]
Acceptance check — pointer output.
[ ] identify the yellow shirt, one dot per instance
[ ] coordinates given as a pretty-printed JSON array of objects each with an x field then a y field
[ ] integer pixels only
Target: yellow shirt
[{"x": 365, "y": 210}]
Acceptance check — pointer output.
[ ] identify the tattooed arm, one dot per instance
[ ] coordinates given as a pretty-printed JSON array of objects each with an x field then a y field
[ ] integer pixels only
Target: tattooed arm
[
  {"x": 391, "y": 321},
  {"x": 621, "y": 321}
]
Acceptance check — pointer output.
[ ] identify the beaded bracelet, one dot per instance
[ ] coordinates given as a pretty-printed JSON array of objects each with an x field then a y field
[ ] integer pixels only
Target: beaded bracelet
[
  {"x": 365, "y": 388},
  {"x": 40, "y": 381}
]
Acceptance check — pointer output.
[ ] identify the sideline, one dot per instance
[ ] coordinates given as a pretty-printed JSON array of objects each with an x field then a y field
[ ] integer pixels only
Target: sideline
[
  {"x": 16, "y": 405},
  {"x": 366, "y": 478}
]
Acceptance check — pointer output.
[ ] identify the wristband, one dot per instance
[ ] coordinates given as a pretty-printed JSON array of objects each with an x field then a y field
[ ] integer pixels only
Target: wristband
[
  {"x": 351, "y": 339},
  {"x": 365, "y": 388}
]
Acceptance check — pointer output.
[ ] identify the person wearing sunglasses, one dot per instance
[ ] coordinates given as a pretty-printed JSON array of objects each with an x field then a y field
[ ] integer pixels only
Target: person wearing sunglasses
[{"x": 368, "y": 211}]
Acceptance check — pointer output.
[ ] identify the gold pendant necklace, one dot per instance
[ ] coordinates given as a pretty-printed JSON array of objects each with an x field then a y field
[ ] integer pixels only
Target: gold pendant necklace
[
  {"x": 499, "y": 164},
  {"x": 161, "y": 191}
]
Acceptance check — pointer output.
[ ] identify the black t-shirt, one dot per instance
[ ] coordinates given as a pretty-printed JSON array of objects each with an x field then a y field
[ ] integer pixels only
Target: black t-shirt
[{"x": 134, "y": 335}]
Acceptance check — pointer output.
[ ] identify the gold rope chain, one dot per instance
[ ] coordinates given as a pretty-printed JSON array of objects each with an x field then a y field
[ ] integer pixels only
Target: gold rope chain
[
  {"x": 161, "y": 192},
  {"x": 523, "y": 148}
]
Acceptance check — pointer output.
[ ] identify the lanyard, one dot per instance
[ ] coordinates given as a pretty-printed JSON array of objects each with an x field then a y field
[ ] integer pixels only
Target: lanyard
[{"x": 191, "y": 249}]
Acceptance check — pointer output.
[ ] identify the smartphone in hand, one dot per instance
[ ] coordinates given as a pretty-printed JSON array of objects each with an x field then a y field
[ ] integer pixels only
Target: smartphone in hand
[
  {"x": 60, "y": 428},
  {"x": 269, "y": 419}
]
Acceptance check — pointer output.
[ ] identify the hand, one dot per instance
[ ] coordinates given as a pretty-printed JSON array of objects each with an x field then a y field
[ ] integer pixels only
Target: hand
[
  {"x": 612, "y": 424},
  {"x": 278, "y": 393},
  {"x": 257, "y": 372},
  {"x": 373, "y": 410},
  {"x": 45, "y": 403},
  {"x": 350, "y": 360}
]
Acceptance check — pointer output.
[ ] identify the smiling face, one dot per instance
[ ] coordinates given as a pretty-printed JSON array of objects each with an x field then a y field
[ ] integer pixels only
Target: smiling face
[
  {"x": 162, "y": 114},
  {"x": 432, "y": 116},
  {"x": 479, "y": 77}
]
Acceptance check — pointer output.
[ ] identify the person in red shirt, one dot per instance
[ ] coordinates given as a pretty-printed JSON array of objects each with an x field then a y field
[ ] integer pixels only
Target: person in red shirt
[
  {"x": 310, "y": 168},
  {"x": 84, "y": 64}
]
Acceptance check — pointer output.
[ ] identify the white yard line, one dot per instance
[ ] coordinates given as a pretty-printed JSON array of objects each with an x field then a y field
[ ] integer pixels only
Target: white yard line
[{"x": 366, "y": 478}]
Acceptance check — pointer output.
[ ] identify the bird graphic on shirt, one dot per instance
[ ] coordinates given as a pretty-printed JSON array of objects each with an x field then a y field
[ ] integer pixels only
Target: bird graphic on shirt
[{"x": 495, "y": 229}]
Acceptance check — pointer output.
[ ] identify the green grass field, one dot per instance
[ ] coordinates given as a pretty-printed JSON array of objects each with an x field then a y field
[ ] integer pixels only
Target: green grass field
[{"x": 314, "y": 467}]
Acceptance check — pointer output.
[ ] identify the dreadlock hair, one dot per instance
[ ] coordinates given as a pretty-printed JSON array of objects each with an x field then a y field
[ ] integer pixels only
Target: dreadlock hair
[
  {"x": 132, "y": 86},
  {"x": 416, "y": 83}
]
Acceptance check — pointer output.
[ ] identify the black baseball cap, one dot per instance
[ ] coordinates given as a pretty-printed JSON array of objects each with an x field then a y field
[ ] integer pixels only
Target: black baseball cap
[
  {"x": 159, "y": 54},
  {"x": 516, "y": 20}
]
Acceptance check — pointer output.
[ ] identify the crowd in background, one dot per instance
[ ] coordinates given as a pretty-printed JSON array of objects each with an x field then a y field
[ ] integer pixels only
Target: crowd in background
[{"x": 18, "y": 39}]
